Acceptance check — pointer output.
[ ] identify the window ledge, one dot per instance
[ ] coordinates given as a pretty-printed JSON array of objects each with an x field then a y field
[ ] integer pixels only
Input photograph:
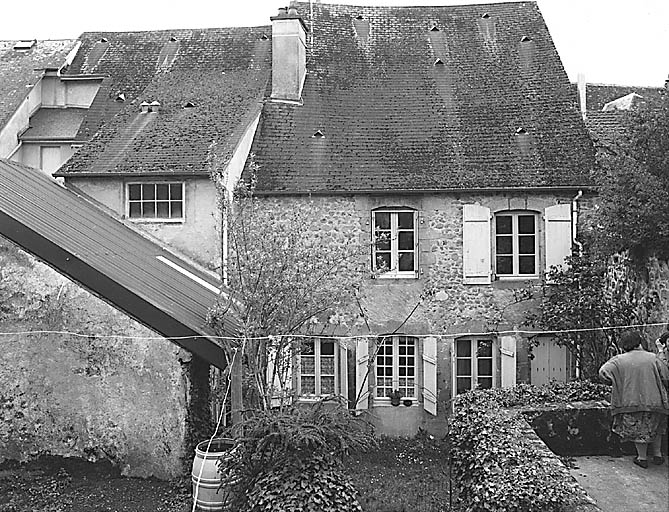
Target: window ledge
[
  {"x": 395, "y": 275},
  {"x": 155, "y": 221},
  {"x": 385, "y": 402}
]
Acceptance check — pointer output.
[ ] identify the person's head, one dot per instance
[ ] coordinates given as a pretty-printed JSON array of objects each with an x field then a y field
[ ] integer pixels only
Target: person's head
[{"x": 630, "y": 340}]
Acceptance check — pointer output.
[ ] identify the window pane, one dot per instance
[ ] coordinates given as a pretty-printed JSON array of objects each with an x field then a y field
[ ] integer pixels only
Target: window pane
[
  {"x": 526, "y": 224},
  {"x": 308, "y": 366},
  {"x": 308, "y": 385},
  {"x": 405, "y": 241},
  {"x": 176, "y": 210},
  {"x": 463, "y": 348},
  {"x": 464, "y": 367},
  {"x": 135, "y": 209},
  {"x": 327, "y": 385},
  {"x": 382, "y": 220},
  {"x": 383, "y": 260},
  {"x": 327, "y": 348},
  {"x": 175, "y": 191},
  {"x": 149, "y": 210},
  {"x": 406, "y": 261},
  {"x": 504, "y": 245},
  {"x": 503, "y": 224},
  {"x": 163, "y": 191},
  {"x": 148, "y": 191},
  {"x": 134, "y": 192},
  {"x": 327, "y": 365},
  {"x": 382, "y": 243},
  {"x": 307, "y": 348},
  {"x": 405, "y": 220},
  {"x": 526, "y": 264},
  {"x": 163, "y": 209},
  {"x": 463, "y": 384},
  {"x": 504, "y": 265},
  {"x": 484, "y": 367},
  {"x": 526, "y": 244},
  {"x": 484, "y": 348},
  {"x": 485, "y": 382}
]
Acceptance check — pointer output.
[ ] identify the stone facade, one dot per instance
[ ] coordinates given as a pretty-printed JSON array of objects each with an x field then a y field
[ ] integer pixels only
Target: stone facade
[
  {"x": 119, "y": 391},
  {"x": 436, "y": 303}
]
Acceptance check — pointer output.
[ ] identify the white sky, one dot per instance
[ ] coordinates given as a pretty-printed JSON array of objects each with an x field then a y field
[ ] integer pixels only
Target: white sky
[{"x": 611, "y": 41}]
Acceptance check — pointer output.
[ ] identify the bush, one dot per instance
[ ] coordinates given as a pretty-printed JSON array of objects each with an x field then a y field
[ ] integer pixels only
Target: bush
[
  {"x": 495, "y": 467},
  {"x": 293, "y": 456}
]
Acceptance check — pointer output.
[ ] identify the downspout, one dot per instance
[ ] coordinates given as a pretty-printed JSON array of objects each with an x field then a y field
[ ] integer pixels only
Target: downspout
[{"x": 574, "y": 221}]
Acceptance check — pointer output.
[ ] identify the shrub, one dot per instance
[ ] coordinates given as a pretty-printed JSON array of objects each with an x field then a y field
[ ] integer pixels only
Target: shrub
[
  {"x": 495, "y": 467},
  {"x": 264, "y": 470}
]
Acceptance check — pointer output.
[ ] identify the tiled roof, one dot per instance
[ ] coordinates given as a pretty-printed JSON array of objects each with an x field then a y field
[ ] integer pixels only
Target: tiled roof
[
  {"x": 482, "y": 101},
  {"x": 222, "y": 73},
  {"x": 19, "y": 70},
  {"x": 136, "y": 275},
  {"x": 606, "y": 128},
  {"x": 55, "y": 123},
  {"x": 598, "y": 95}
]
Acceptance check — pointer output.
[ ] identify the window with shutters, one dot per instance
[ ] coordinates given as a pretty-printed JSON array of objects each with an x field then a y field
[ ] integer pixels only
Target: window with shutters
[
  {"x": 474, "y": 364},
  {"x": 395, "y": 243},
  {"x": 158, "y": 202},
  {"x": 516, "y": 244},
  {"x": 396, "y": 367},
  {"x": 318, "y": 362}
]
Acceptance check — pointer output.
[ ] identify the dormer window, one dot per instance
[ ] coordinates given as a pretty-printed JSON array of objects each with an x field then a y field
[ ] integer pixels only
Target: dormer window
[{"x": 155, "y": 202}]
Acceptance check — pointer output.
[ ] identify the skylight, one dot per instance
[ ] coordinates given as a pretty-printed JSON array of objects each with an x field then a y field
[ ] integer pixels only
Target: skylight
[{"x": 25, "y": 45}]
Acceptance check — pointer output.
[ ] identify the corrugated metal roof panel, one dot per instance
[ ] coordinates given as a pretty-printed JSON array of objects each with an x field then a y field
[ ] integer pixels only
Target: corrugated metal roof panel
[{"x": 114, "y": 261}]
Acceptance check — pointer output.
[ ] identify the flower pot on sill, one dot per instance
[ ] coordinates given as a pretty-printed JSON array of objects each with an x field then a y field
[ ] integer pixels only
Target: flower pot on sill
[{"x": 408, "y": 402}]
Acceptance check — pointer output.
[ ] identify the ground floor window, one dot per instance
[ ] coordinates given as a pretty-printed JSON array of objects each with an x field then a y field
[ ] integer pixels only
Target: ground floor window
[
  {"x": 474, "y": 364},
  {"x": 396, "y": 366},
  {"x": 318, "y": 367}
]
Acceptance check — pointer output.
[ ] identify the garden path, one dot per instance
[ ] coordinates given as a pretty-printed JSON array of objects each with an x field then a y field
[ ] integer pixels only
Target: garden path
[{"x": 617, "y": 485}]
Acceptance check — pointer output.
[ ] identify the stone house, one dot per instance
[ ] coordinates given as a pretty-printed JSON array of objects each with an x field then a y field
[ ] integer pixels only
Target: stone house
[{"x": 453, "y": 131}]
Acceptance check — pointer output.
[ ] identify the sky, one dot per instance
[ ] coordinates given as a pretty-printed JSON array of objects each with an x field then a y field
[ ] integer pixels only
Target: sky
[{"x": 610, "y": 41}]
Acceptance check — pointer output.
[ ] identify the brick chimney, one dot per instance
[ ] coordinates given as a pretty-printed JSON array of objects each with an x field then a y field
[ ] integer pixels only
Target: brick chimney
[{"x": 289, "y": 55}]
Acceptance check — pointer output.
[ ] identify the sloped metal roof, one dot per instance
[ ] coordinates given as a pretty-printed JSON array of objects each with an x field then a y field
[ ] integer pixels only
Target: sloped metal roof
[{"x": 115, "y": 262}]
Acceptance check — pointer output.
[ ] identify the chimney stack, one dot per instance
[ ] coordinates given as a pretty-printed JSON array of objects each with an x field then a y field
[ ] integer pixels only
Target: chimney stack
[{"x": 289, "y": 55}]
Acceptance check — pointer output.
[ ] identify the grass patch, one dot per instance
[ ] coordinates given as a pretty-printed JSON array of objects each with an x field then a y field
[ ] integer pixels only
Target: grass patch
[{"x": 403, "y": 474}]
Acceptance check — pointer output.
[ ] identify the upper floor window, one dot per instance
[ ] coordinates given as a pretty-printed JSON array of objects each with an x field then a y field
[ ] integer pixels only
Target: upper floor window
[
  {"x": 516, "y": 244},
  {"x": 155, "y": 201},
  {"x": 395, "y": 247},
  {"x": 396, "y": 363}
]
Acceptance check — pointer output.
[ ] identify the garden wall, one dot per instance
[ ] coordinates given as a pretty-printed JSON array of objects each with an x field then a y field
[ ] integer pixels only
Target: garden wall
[{"x": 121, "y": 392}]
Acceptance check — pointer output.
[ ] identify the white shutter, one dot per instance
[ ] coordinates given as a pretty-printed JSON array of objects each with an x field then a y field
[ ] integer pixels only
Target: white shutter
[
  {"x": 558, "y": 234},
  {"x": 343, "y": 370},
  {"x": 430, "y": 375},
  {"x": 508, "y": 357},
  {"x": 476, "y": 244},
  {"x": 362, "y": 375}
]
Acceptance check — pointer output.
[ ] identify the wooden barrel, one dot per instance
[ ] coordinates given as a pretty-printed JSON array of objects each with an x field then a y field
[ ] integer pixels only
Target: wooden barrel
[{"x": 206, "y": 480}]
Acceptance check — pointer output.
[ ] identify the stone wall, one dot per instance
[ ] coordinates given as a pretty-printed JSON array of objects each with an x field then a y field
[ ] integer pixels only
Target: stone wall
[{"x": 119, "y": 391}]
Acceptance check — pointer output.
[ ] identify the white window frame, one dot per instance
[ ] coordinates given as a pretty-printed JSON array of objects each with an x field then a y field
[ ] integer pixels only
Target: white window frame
[
  {"x": 383, "y": 398},
  {"x": 172, "y": 220},
  {"x": 515, "y": 244},
  {"x": 474, "y": 367},
  {"x": 394, "y": 272},
  {"x": 318, "y": 375}
]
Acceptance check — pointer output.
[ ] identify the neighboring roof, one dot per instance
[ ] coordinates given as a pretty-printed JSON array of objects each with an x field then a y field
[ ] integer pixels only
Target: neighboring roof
[
  {"x": 222, "y": 73},
  {"x": 598, "y": 95},
  {"x": 55, "y": 123},
  {"x": 115, "y": 262},
  {"x": 606, "y": 128},
  {"x": 21, "y": 69},
  {"x": 481, "y": 101},
  {"x": 627, "y": 102}
]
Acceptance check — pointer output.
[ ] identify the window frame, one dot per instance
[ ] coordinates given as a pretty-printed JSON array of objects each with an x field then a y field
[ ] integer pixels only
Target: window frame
[
  {"x": 395, "y": 369},
  {"x": 515, "y": 235},
  {"x": 474, "y": 367},
  {"x": 394, "y": 272},
  {"x": 318, "y": 370},
  {"x": 162, "y": 220}
]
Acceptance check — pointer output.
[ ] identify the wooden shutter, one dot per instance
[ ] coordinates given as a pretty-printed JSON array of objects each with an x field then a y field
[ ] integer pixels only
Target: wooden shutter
[
  {"x": 508, "y": 357},
  {"x": 430, "y": 375},
  {"x": 362, "y": 375},
  {"x": 343, "y": 370},
  {"x": 476, "y": 244},
  {"x": 558, "y": 234}
]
